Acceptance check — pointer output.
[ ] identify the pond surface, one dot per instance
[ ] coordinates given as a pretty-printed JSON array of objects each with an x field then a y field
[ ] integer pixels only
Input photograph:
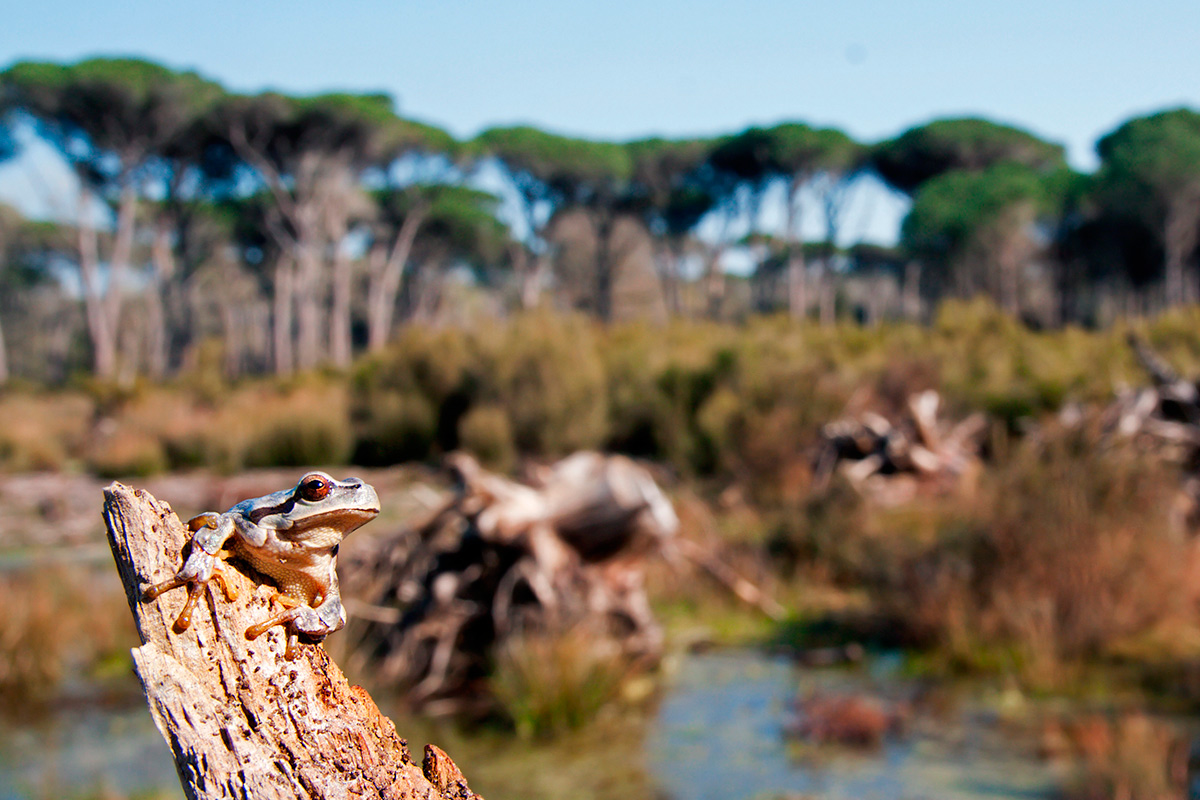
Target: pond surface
[
  {"x": 86, "y": 751},
  {"x": 717, "y": 735}
]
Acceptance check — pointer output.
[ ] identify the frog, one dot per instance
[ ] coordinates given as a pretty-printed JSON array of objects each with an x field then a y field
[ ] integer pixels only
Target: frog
[{"x": 292, "y": 537}]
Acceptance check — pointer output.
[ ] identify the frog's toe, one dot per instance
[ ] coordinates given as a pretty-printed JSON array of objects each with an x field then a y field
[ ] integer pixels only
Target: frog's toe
[
  {"x": 154, "y": 590},
  {"x": 222, "y": 579},
  {"x": 284, "y": 617},
  {"x": 184, "y": 619}
]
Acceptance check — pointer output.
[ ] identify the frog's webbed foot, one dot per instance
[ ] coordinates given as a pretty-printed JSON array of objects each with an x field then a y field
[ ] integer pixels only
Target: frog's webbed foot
[
  {"x": 298, "y": 618},
  {"x": 197, "y": 571}
]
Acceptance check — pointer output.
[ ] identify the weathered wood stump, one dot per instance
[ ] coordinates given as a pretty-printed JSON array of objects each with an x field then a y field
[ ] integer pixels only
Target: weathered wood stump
[
  {"x": 241, "y": 720},
  {"x": 890, "y": 461},
  {"x": 502, "y": 559}
]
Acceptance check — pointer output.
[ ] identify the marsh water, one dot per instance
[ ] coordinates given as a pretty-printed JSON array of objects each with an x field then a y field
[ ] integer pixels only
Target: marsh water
[{"x": 716, "y": 734}]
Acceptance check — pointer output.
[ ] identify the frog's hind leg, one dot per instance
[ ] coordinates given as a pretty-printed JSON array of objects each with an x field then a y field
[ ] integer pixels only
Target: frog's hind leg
[{"x": 291, "y": 609}]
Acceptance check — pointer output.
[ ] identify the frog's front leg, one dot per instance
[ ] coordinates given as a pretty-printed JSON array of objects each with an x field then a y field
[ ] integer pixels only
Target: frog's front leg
[{"x": 209, "y": 534}]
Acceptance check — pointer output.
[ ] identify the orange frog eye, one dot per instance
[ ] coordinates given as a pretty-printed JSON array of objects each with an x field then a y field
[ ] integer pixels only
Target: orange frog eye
[{"x": 315, "y": 487}]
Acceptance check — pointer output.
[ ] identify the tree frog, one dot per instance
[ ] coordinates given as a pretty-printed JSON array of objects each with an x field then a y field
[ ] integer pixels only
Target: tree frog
[{"x": 292, "y": 537}]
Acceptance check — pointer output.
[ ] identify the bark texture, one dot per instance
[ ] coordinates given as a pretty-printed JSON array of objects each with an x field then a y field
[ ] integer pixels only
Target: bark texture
[{"x": 241, "y": 720}]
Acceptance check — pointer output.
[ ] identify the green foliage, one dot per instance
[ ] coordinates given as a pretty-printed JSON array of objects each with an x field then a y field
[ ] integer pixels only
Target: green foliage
[
  {"x": 307, "y": 427},
  {"x": 407, "y": 401},
  {"x": 798, "y": 149},
  {"x": 742, "y": 403},
  {"x": 486, "y": 432},
  {"x": 667, "y": 187},
  {"x": 927, "y": 151},
  {"x": 548, "y": 374},
  {"x": 1159, "y": 151},
  {"x": 570, "y": 169},
  {"x": 128, "y": 107},
  {"x": 462, "y": 222},
  {"x": 949, "y": 210},
  {"x": 791, "y": 150},
  {"x": 1150, "y": 167}
]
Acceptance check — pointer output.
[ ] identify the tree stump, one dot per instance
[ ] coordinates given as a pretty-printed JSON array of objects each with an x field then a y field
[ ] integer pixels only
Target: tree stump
[{"x": 241, "y": 720}]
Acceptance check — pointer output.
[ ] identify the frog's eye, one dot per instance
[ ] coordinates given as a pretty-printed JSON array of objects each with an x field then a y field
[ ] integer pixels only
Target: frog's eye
[{"x": 315, "y": 487}]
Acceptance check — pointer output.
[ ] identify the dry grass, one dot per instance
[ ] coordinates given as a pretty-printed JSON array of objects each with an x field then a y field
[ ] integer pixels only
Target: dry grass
[
  {"x": 1130, "y": 757},
  {"x": 256, "y": 425},
  {"x": 1067, "y": 553},
  {"x": 58, "y": 622},
  {"x": 42, "y": 431}
]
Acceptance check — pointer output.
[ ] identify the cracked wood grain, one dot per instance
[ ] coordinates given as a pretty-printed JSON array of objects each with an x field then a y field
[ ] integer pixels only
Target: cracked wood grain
[{"x": 242, "y": 721}]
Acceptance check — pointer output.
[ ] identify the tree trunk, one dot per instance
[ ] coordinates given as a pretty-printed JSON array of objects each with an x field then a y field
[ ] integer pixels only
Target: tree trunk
[
  {"x": 1179, "y": 240},
  {"x": 281, "y": 315},
  {"x": 3, "y": 359},
  {"x": 339, "y": 315},
  {"x": 910, "y": 299},
  {"x": 387, "y": 278},
  {"x": 306, "y": 287},
  {"x": 666, "y": 264},
  {"x": 122, "y": 253},
  {"x": 1173, "y": 277},
  {"x": 605, "y": 266},
  {"x": 163, "y": 263},
  {"x": 714, "y": 283},
  {"x": 797, "y": 286},
  {"x": 104, "y": 339},
  {"x": 827, "y": 298},
  {"x": 234, "y": 341},
  {"x": 535, "y": 280},
  {"x": 241, "y": 721},
  {"x": 797, "y": 279}
]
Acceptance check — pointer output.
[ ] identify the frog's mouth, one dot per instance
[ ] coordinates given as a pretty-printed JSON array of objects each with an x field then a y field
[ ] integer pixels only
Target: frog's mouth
[{"x": 343, "y": 520}]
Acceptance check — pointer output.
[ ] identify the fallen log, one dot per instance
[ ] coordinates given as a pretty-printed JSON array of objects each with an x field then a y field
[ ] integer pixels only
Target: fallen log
[{"x": 240, "y": 719}]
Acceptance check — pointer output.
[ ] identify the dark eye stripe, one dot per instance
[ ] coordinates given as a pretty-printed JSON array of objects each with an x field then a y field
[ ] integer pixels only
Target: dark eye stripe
[{"x": 257, "y": 514}]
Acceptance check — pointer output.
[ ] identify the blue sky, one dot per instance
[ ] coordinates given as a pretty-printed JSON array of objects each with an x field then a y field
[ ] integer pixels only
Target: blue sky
[{"x": 1068, "y": 71}]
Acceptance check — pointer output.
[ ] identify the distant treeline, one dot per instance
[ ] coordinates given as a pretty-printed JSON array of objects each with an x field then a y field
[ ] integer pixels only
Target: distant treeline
[{"x": 277, "y": 233}]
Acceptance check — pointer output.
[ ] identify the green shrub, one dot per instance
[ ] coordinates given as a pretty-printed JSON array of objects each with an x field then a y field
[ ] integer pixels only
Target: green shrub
[
  {"x": 486, "y": 432},
  {"x": 547, "y": 373},
  {"x": 407, "y": 401},
  {"x": 306, "y": 425},
  {"x": 548, "y": 685}
]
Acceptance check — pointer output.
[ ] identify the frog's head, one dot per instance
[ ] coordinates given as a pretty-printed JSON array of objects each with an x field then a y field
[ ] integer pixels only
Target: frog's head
[{"x": 319, "y": 510}]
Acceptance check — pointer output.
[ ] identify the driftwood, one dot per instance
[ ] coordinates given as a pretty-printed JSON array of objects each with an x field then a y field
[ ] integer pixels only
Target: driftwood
[
  {"x": 1162, "y": 419},
  {"x": 501, "y": 559},
  {"x": 890, "y": 460},
  {"x": 1167, "y": 412},
  {"x": 241, "y": 720}
]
